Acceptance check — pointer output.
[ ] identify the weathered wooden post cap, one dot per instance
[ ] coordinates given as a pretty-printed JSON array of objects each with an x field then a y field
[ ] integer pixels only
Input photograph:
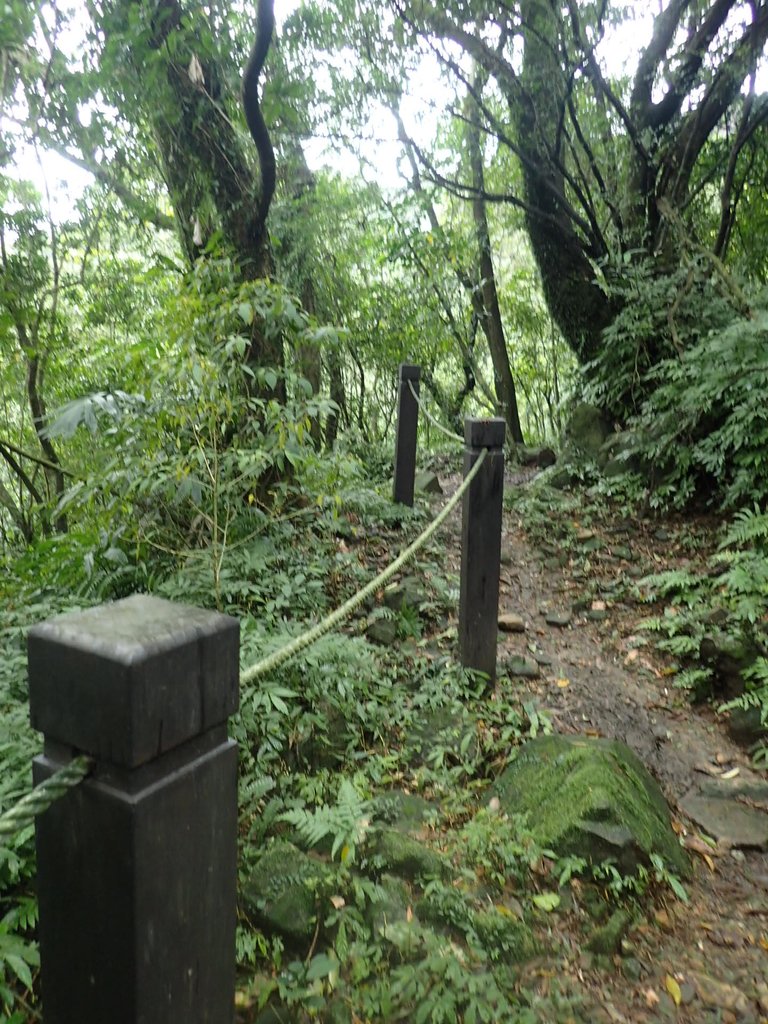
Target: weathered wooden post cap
[
  {"x": 484, "y": 433},
  {"x": 137, "y": 866},
  {"x": 129, "y": 681},
  {"x": 410, "y": 372}
]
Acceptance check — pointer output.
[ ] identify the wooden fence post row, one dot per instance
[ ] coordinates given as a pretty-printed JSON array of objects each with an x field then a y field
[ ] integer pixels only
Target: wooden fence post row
[
  {"x": 481, "y": 546},
  {"x": 405, "y": 439},
  {"x": 137, "y": 865}
]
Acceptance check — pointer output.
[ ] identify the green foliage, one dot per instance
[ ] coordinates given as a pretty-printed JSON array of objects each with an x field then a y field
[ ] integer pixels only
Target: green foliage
[
  {"x": 498, "y": 847},
  {"x": 729, "y": 602},
  {"x": 685, "y": 368},
  {"x": 345, "y": 822}
]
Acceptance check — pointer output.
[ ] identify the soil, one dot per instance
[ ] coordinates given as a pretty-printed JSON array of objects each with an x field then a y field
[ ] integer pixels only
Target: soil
[{"x": 701, "y": 962}]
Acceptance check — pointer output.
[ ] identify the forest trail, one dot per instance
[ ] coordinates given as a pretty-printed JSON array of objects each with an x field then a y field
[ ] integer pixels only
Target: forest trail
[{"x": 575, "y": 640}]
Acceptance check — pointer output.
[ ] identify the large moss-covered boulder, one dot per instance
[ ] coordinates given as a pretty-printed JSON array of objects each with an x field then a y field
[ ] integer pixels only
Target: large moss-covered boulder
[
  {"x": 587, "y": 430},
  {"x": 404, "y": 856},
  {"x": 282, "y": 892},
  {"x": 591, "y": 798}
]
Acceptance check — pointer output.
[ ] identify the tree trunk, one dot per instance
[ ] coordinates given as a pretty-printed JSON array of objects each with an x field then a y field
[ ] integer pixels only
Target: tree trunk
[
  {"x": 577, "y": 303},
  {"x": 177, "y": 80},
  {"x": 488, "y": 309}
]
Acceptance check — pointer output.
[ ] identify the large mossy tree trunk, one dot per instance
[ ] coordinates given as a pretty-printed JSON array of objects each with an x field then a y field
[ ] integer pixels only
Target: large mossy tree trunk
[{"x": 609, "y": 171}]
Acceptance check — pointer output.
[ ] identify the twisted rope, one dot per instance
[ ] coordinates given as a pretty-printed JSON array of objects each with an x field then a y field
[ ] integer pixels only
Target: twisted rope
[
  {"x": 431, "y": 418},
  {"x": 277, "y": 658},
  {"x": 40, "y": 799}
]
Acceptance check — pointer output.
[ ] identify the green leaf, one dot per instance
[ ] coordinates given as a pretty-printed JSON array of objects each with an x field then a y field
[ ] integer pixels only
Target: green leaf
[{"x": 547, "y": 901}]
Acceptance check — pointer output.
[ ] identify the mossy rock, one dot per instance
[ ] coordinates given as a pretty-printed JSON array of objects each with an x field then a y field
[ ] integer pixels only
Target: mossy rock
[
  {"x": 409, "y": 591},
  {"x": 540, "y": 456},
  {"x": 391, "y": 905},
  {"x": 729, "y": 655},
  {"x": 401, "y": 855},
  {"x": 504, "y": 936},
  {"x": 606, "y": 940},
  {"x": 281, "y": 893},
  {"x": 587, "y": 430},
  {"x": 427, "y": 482},
  {"x": 407, "y": 812},
  {"x": 591, "y": 798}
]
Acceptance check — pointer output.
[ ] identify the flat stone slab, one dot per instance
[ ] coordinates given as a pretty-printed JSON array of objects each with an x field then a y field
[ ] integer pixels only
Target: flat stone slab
[
  {"x": 560, "y": 619},
  {"x": 736, "y": 815},
  {"x": 523, "y": 667},
  {"x": 511, "y": 623}
]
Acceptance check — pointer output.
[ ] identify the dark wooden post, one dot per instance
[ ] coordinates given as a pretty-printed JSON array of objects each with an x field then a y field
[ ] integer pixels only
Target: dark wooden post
[
  {"x": 137, "y": 865},
  {"x": 405, "y": 440},
  {"x": 481, "y": 546}
]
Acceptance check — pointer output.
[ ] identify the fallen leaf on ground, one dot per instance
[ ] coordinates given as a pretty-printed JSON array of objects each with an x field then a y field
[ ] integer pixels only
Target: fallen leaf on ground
[
  {"x": 674, "y": 989},
  {"x": 704, "y": 850},
  {"x": 651, "y": 998}
]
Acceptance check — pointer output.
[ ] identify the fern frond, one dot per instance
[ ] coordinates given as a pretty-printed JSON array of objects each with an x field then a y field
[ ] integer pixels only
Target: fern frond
[{"x": 749, "y": 527}]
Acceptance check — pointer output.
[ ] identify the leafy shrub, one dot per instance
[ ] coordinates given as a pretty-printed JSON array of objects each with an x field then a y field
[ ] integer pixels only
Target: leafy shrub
[
  {"x": 685, "y": 367},
  {"x": 734, "y": 594}
]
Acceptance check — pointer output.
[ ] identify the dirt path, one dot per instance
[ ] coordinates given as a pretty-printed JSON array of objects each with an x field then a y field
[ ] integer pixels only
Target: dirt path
[{"x": 704, "y": 962}]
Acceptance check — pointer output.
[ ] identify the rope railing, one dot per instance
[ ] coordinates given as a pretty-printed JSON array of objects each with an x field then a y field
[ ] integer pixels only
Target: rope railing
[
  {"x": 41, "y": 797},
  {"x": 24, "y": 812},
  {"x": 300, "y": 643},
  {"x": 435, "y": 423}
]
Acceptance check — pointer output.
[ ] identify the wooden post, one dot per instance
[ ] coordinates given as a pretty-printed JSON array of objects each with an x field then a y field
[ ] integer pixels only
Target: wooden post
[
  {"x": 481, "y": 546},
  {"x": 405, "y": 439},
  {"x": 137, "y": 865}
]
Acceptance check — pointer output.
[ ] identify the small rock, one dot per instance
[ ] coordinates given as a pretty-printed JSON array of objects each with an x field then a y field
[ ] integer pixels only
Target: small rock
[
  {"x": 523, "y": 667},
  {"x": 607, "y": 938},
  {"x": 409, "y": 591},
  {"x": 718, "y": 993},
  {"x": 662, "y": 535},
  {"x": 540, "y": 456},
  {"x": 597, "y": 614},
  {"x": 555, "y": 562},
  {"x": 687, "y": 993},
  {"x": 506, "y": 557},
  {"x": 542, "y": 659},
  {"x": 558, "y": 619},
  {"x": 584, "y": 535},
  {"x": 621, "y": 551},
  {"x": 632, "y": 968},
  {"x": 727, "y": 820},
  {"x": 382, "y": 631},
  {"x": 427, "y": 483},
  {"x": 511, "y": 623},
  {"x": 592, "y": 545},
  {"x": 745, "y": 726}
]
